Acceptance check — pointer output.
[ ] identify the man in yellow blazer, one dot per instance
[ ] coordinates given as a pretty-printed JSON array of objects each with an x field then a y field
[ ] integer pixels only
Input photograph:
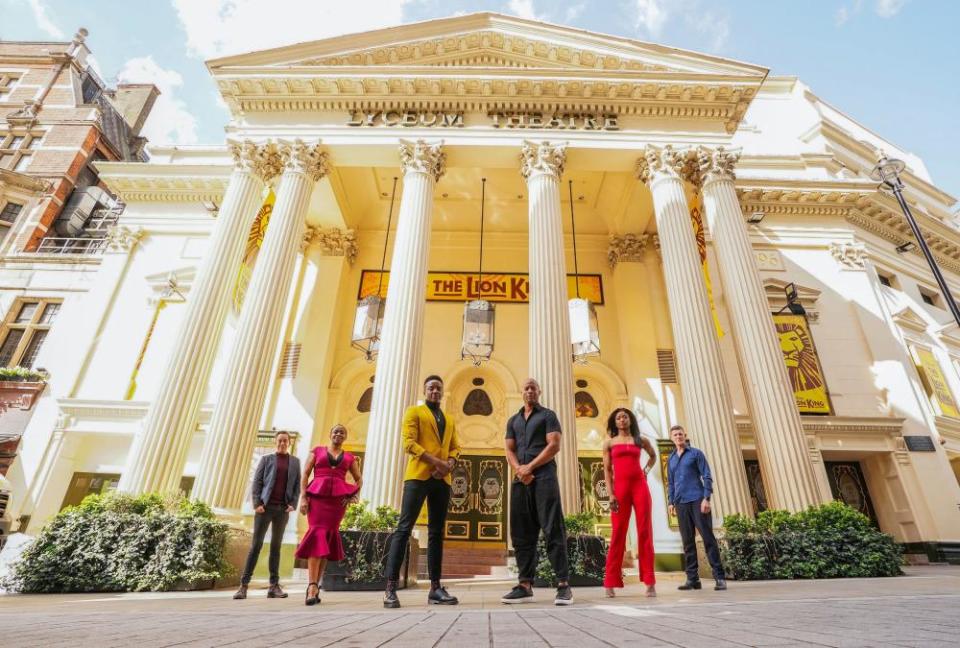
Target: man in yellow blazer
[{"x": 430, "y": 441}]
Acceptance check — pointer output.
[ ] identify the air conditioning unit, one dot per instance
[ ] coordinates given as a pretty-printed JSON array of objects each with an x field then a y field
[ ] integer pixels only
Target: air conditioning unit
[{"x": 81, "y": 204}]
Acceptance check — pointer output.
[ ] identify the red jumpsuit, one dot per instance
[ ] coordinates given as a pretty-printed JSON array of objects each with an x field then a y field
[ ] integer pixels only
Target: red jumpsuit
[{"x": 631, "y": 491}]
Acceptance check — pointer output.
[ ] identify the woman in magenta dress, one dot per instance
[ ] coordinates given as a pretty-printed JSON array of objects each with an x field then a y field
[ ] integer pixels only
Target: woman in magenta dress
[
  {"x": 627, "y": 484},
  {"x": 324, "y": 501}
]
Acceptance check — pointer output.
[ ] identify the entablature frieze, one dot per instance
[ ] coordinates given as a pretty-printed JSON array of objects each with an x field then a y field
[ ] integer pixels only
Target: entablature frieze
[{"x": 864, "y": 207}]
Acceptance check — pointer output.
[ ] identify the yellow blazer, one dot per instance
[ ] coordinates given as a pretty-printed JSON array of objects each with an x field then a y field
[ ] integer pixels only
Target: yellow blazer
[{"x": 420, "y": 435}]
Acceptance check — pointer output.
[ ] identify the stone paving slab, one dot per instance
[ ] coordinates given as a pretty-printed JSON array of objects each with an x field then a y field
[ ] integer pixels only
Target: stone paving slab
[{"x": 921, "y": 609}]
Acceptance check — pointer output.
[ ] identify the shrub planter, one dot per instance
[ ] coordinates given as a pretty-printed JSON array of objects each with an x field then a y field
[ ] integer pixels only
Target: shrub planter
[
  {"x": 587, "y": 555},
  {"x": 19, "y": 394},
  {"x": 828, "y": 541},
  {"x": 362, "y": 569},
  {"x": 119, "y": 543}
]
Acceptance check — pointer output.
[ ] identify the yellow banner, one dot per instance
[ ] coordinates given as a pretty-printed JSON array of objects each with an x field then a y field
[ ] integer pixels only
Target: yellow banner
[
  {"x": 936, "y": 382},
  {"x": 254, "y": 241},
  {"x": 510, "y": 288},
  {"x": 803, "y": 364},
  {"x": 696, "y": 219}
]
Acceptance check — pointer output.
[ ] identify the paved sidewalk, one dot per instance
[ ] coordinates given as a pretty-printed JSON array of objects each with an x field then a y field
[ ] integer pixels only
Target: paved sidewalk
[{"x": 921, "y": 609}]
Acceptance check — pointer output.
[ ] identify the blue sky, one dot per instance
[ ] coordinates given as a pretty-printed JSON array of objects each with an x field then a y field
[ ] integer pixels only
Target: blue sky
[{"x": 893, "y": 65}]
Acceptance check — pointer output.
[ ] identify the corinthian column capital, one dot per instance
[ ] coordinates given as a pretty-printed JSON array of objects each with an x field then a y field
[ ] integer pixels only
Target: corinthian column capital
[
  {"x": 262, "y": 160},
  {"x": 423, "y": 157},
  {"x": 666, "y": 162},
  {"x": 300, "y": 157},
  {"x": 716, "y": 164},
  {"x": 542, "y": 158}
]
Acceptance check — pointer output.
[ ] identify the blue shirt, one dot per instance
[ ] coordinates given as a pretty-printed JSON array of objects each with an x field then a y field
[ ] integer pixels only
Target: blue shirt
[{"x": 688, "y": 477}]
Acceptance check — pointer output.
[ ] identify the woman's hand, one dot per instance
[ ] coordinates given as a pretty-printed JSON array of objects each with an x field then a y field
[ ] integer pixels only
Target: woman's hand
[
  {"x": 303, "y": 505},
  {"x": 614, "y": 504}
]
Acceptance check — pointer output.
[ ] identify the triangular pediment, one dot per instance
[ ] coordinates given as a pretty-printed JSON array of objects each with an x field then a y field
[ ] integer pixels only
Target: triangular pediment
[
  {"x": 909, "y": 319},
  {"x": 488, "y": 61},
  {"x": 491, "y": 40}
]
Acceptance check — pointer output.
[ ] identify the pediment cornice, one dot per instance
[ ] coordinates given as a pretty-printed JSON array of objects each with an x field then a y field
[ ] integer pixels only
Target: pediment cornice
[
  {"x": 489, "y": 62},
  {"x": 159, "y": 183},
  {"x": 859, "y": 203}
]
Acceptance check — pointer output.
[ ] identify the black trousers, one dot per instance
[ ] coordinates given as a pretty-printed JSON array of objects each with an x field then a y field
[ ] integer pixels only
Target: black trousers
[
  {"x": 533, "y": 509},
  {"x": 692, "y": 520},
  {"x": 437, "y": 494},
  {"x": 275, "y": 517}
]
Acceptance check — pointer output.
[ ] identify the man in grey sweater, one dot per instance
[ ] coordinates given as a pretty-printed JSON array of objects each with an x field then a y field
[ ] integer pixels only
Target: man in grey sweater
[{"x": 276, "y": 489}]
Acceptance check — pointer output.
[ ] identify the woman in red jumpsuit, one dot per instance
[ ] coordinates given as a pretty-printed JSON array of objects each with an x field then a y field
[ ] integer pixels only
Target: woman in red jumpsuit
[{"x": 627, "y": 484}]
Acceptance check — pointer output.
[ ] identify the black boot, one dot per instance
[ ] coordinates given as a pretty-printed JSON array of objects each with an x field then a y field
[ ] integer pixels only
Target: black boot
[
  {"x": 439, "y": 596},
  {"x": 691, "y": 585},
  {"x": 390, "y": 599}
]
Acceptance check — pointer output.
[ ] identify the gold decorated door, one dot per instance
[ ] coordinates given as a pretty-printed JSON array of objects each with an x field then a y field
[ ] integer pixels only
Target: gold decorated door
[{"x": 478, "y": 500}]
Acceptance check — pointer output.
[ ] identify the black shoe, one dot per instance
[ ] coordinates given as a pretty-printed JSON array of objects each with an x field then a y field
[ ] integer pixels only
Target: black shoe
[
  {"x": 440, "y": 596},
  {"x": 519, "y": 594},
  {"x": 721, "y": 585},
  {"x": 241, "y": 593},
  {"x": 564, "y": 596},
  {"x": 275, "y": 591},
  {"x": 311, "y": 600},
  {"x": 390, "y": 600},
  {"x": 691, "y": 585}
]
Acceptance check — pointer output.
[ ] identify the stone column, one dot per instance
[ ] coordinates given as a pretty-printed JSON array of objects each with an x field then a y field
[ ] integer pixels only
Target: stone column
[
  {"x": 228, "y": 447},
  {"x": 707, "y": 407},
  {"x": 550, "y": 347},
  {"x": 159, "y": 452},
  {"x": 401, "y": 341},
  {"x": 789, "y": 479}
]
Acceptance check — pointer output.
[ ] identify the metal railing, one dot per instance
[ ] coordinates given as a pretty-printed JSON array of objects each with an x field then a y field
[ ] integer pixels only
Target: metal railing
[{"x": 58, "y": 245}]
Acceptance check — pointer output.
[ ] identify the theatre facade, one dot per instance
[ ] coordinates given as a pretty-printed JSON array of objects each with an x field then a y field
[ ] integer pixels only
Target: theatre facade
[{"x": 314, "y": 268}]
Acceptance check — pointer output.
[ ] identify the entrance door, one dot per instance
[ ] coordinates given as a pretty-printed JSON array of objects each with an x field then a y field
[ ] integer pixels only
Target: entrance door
[
  {"x": 848, "y": 485},
  {"x": 477, "y": 510}
]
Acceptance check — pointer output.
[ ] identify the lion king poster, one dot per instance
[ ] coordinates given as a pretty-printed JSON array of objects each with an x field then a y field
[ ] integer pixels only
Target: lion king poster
[{"x": 803, "y": 364}]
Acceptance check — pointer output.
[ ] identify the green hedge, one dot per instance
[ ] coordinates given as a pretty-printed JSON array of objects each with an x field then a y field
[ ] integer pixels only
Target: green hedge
[
  {"x": 117, "y": 542},
  {"x": 828, "y": 541}
]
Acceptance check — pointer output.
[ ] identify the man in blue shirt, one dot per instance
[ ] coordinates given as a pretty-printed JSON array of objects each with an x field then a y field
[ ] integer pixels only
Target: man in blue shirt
[{"x": 690, "y": 486}]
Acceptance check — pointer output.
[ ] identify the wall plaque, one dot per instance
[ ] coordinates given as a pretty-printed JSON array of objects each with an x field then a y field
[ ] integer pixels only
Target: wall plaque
[{"x": 919, "y": 443}]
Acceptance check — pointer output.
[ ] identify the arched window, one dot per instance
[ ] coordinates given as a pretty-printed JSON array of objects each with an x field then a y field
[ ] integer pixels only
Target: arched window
[
  {"x": 366, "y": 399},
  {"x": 584, "y": 405},
  {"x": 477, "y": 402}
]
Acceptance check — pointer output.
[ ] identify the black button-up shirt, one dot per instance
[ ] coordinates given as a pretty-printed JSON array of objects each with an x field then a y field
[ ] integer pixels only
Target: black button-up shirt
[{"x": 530, "y": 435}]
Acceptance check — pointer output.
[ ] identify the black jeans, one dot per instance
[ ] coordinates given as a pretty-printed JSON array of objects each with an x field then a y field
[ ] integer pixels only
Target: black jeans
[
  {"x": 533, "y": 509},
  {"x": 692, "y": 520},
  {"x": 437, "y": 494},
  {"x": 275, "y": 517}
]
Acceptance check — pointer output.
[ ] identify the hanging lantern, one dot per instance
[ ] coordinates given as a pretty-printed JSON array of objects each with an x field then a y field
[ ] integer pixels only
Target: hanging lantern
[
  {"x": 478, "y": 314},
  {"x": 584, "y": 332},
  {"x": 478, "y": 317},
  {"x": 368, "y": 320},
  {"x": 367, "y": 325}
]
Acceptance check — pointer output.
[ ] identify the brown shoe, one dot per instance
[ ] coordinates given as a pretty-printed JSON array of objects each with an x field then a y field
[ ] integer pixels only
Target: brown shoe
[
  {"x": 276, "y": 592},
  {"x": 241, "y": 593}
]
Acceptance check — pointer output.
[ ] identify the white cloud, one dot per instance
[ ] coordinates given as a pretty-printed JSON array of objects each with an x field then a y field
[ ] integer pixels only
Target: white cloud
[
  {"x": 169, "y": 122},
  {"x": 889, "y": 8},
  {"x": 712, "y": 27},
  {"x": 573, "y": 13},
  {"x": 43, "y": 21},
  {"x": 842, "y": 16},
  {"x": 523, "y": 9},
  {"x": 222, "y": 27},
  {"x": 652, "y": 15}
]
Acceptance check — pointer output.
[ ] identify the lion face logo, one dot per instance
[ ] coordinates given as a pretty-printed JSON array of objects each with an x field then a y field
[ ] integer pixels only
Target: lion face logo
[{"x": 798, "y": 354}]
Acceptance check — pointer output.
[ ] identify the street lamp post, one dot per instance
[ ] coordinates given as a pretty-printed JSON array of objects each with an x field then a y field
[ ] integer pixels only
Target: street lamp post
[{"x": 888, "y": 171}]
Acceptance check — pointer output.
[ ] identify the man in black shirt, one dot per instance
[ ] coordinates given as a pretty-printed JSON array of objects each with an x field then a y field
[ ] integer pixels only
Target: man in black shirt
[{"x": 532, "y": 442}]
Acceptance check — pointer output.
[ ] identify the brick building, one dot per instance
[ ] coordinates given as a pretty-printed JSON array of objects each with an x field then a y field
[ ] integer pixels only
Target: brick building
[{"x": 56, "y": 118}]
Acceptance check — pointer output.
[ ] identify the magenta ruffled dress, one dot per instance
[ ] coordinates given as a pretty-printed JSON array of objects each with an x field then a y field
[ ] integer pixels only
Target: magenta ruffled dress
[{"x": 326, "y": 504}]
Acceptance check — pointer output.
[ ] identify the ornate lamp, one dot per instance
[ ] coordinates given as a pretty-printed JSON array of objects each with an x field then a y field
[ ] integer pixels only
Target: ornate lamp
[
  {"x": 584, "y": 332},
  {"x": 368, "y": 320},
  {"x": 478, "y": 314}
]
